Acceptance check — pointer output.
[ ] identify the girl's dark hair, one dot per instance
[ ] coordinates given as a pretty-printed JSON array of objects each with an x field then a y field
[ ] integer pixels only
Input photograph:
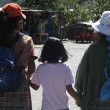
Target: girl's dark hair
[
  {"x": 8, "y": 25},
  {"x": 53, "y": 51}
]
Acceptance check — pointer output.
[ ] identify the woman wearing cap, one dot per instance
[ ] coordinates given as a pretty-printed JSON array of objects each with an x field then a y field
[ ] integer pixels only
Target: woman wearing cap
[
  {"x": 11, "y": 18},
  {"x": 90, "y": 76}
]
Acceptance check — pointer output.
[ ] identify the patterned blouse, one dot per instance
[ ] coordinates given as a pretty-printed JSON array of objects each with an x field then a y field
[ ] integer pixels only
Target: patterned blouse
[
  {"x": 23, "y": 49},
  {"x": 20, "y": 99}
]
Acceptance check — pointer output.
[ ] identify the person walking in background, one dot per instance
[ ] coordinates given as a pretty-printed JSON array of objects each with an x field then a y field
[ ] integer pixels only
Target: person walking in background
[
  {"x": 94, "y": 69},
  {"x": 54, "y": 76},
  {"x": 11, "y": 18}
]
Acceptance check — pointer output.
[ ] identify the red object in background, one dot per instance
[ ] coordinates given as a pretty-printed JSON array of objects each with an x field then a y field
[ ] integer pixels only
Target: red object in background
[
  {"x": 83, "y": 31},
  {"x": 94, "y": 37}
]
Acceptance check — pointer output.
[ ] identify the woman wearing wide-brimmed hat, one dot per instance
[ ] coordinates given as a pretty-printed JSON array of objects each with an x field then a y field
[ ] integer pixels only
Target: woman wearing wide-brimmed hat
[{"x": 94, "y": 68}]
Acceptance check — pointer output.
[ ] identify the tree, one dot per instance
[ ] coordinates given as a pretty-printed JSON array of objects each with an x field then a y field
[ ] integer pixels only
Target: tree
[
  {"x": 99, "y": 7},
  {"x": 82, "y": 10}
]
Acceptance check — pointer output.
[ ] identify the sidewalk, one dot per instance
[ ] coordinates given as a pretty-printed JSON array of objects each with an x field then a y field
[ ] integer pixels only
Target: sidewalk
[{"x": 76, "y": 52}]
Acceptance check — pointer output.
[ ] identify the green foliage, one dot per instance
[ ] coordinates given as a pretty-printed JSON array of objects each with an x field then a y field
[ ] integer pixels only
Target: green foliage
[
  {"x": 83, "y": 11},
  {"x": 80, "y": 12},
  {"x": 101, "y": 5}
]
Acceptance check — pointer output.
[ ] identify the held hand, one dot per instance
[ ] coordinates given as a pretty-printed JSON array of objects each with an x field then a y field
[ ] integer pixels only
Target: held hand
[
  {"x": 28, "y": 76},
  {"x": 78, "y": 102}
]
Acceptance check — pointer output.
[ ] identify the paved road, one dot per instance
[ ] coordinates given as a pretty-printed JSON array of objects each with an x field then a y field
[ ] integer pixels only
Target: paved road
[{"x": 76, "y": 51}]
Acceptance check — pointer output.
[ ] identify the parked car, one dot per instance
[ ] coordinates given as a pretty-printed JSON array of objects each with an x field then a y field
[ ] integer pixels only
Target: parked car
[{"x": 83, "y": 31}]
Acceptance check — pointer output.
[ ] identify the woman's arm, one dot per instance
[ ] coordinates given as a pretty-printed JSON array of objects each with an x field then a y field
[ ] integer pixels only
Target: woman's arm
[{"x": 31, "y": 68}]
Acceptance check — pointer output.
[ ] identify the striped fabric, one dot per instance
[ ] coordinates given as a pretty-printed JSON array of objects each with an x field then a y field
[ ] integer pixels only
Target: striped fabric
[{"x": 18, "y": 100}]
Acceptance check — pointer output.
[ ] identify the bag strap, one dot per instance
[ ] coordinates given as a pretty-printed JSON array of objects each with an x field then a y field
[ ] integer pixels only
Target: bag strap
[
  {"x": 11, "y": 41},
  {"x": 108, "y": 58},
  {"x": 15, "y": 39}
]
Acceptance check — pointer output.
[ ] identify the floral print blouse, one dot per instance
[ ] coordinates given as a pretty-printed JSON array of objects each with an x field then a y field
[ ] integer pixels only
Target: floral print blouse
[{"x": 23, "y": 50}]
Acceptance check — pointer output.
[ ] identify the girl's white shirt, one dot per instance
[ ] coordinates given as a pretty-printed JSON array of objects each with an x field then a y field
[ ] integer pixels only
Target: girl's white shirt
[{"x": 53, "y": 78}]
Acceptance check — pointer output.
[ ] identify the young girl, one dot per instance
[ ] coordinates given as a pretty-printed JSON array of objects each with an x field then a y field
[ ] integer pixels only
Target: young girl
[{"x": 54, "y": 76}]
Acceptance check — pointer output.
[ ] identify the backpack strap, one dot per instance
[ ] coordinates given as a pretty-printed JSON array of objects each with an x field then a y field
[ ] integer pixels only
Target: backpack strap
[
  {"x": 11, "y": 41},
  {"x": 15, "y": 39},
  {"x": 107, "y": 58}
]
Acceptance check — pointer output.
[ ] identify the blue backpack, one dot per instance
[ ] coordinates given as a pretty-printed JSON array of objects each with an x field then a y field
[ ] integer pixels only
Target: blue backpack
[
  {"x": 10, "y": 74},
  {"x": 105, "y": 89}
]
